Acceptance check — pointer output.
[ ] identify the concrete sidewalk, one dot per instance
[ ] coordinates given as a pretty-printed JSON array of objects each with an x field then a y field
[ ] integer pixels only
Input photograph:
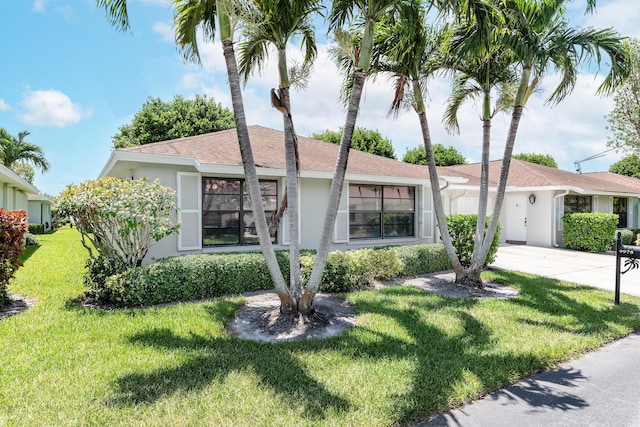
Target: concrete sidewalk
[
  {"x": 601, "y": 388},
  {"x": 598, "y": 270}
]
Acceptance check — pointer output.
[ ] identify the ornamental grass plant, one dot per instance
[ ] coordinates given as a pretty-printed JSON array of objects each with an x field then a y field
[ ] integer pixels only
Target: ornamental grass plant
[{"x": 411, "y": 354}]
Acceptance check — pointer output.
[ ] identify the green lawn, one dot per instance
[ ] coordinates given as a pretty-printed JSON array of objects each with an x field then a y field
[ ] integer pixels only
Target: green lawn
[{"x": 411, "y": 354}]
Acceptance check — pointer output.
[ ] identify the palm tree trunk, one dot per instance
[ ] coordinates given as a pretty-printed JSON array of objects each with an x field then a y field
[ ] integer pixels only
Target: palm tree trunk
[
  {"x": 477, "y": 261},
  {"x": 287, "y": 303},
  {"x": 292, "y": 195},
  {"x": 435, "y": 184},
  {"x": 502, "y": 183},
  {"x": 524, "y": 90},
  {"x": 306, "y": 303}
]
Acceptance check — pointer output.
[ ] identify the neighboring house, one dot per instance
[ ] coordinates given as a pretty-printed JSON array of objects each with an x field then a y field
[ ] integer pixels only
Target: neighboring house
[
  {"x": 14, "y": 190},
  {"x": 39, "y": 210},
  {"x": 538, "y": 196},
  {"x": 383, "y": 202}
]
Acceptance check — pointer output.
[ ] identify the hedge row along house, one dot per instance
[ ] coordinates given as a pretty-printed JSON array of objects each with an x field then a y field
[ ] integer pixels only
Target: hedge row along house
[
  {"x": 384, "y": 201},
  {"x": 17, "y": 194}
]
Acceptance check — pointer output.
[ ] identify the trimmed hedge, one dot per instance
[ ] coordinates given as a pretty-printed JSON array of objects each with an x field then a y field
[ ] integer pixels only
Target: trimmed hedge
[
  {"x": 36, "y": 228},
  {"x": 192, "y": 277},
  {"x": 422, "y": 259},
  {"x": 589, "y": 231}
]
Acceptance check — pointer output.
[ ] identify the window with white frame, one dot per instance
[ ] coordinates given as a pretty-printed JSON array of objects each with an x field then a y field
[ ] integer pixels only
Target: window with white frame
[
  {"x": 227, "y": 216},
  {"x": 381, "y": 211}
]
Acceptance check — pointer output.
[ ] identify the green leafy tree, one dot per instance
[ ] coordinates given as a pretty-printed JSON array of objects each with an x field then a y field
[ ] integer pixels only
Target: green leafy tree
[
  {"x": 24, "y": 170},
  {"x": 367, "y": 140},
  {"x": 624, "y": 119},
  {"x": 121, "y": 218},
  {"x": 629, "y": 166},
  {"x": 14, "y": 149},
  {"x": 160, "y": 120},
  {"x": 541, "y": 159},
  {"x": 444, "y": 156}
]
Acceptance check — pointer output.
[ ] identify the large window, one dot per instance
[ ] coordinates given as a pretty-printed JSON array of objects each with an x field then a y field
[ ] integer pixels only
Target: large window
[
  {"x": 620, "y": 209},
  {"x": 377, "y": 211},
  {"x": 227, "y": 217},
  {"x": 574, "y": 203}
]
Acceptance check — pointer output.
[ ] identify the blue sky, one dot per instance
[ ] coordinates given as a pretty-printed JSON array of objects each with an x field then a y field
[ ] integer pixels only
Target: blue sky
[{"x": 71, "y": 80}]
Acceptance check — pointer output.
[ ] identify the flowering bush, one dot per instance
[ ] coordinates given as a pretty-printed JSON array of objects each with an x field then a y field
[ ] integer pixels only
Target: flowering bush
[
  {"x": 120, "y": 218},
  {"x": 13, "y": 228}
]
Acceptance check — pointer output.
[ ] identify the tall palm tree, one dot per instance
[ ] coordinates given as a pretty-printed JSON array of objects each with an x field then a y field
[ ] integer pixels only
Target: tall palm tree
[
  {"x": 211, "y": 15},
  {"x": 15, "y": 149},
  {"x": 368, "y": 12},
  {"x": 274, "y": 23},
  {"x": 539, "y": 38}
]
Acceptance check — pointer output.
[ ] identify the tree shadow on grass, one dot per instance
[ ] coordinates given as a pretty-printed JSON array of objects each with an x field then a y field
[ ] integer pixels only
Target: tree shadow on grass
[
  {"x": 214, "y": 358},
  {"x": 555, "y": 298},
  {"x": 443, "y": 362}
]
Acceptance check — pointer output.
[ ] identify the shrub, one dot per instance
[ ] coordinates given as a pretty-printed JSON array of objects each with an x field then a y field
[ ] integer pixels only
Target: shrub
[
  {"x": 385, "y": 263},
  {"x": 36, "y": 228},
  {"x": 626, "y": 236},
  {"x": 462, "y": 227},
  {"x": 98, "y": 270},
  {"x": 637, "y": 243},
  {"x": 13, "y": 228},
  {"x": 588, "y": 231},
  {"x": 422, "y": 259},
  {"x": 205, "y": 276},
  {"x": 189, "y": 277},
  {"x": 121, "y": 218},
  {"x": 31, "y": 240}
]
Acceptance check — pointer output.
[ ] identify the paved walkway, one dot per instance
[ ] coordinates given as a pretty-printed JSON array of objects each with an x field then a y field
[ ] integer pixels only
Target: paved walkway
[
  {"x": 586, "y": 268},
  {"x": 600, "y": 389}
]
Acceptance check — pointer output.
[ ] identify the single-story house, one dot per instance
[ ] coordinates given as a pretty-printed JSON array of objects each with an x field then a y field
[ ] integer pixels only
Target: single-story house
[
  {"x": 39, "y": 210},
  {"x": 538, "y": 196},
  {"x": 14, "y": 190},
  {"x": 384, "y": 201}
]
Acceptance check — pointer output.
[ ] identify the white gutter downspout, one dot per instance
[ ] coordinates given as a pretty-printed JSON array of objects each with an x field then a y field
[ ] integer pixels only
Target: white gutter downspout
[
  {"x": 555, "y": 219},
  {"x": 456, "y": 198}
]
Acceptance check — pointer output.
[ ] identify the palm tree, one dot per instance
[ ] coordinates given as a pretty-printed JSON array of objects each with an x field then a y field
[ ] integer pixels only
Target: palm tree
[
  {"x": 275, "y": 23},
  {"x": 539, "y": 37},
  {"x": 191, "y": 16},
  {"x": 16, "y": 149},
  {"x": 342, "y": 12}
]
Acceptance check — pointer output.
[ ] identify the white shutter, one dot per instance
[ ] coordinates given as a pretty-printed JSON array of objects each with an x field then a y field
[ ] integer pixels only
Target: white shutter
[
  {"x": 189, "y": 202},
  {"x": 341, "y": 227},
  {"x": 426, "y": 212}
]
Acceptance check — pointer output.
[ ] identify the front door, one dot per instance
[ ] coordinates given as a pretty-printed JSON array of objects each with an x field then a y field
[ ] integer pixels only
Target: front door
[{"x": 515, "y": 229}]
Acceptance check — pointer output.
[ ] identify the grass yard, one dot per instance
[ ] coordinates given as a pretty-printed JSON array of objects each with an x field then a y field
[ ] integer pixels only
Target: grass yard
[{"x": 412, "y": 353}]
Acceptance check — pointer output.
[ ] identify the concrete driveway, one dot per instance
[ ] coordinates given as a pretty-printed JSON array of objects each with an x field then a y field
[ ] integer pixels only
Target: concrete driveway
[{"x": 598, "y": 270}]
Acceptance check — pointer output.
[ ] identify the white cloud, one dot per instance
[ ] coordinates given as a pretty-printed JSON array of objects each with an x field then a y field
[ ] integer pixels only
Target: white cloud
[
  {"x": 3, "y": 105},
  {"x": 51, "y": 108},
  {"x": 573, "y": 130},
  {"x": 164, "y": 30},
  {"x": 38, "y": 5}
]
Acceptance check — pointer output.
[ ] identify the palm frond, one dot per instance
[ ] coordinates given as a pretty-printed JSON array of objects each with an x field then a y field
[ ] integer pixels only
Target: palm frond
[{"x": 117, "y": 13}]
